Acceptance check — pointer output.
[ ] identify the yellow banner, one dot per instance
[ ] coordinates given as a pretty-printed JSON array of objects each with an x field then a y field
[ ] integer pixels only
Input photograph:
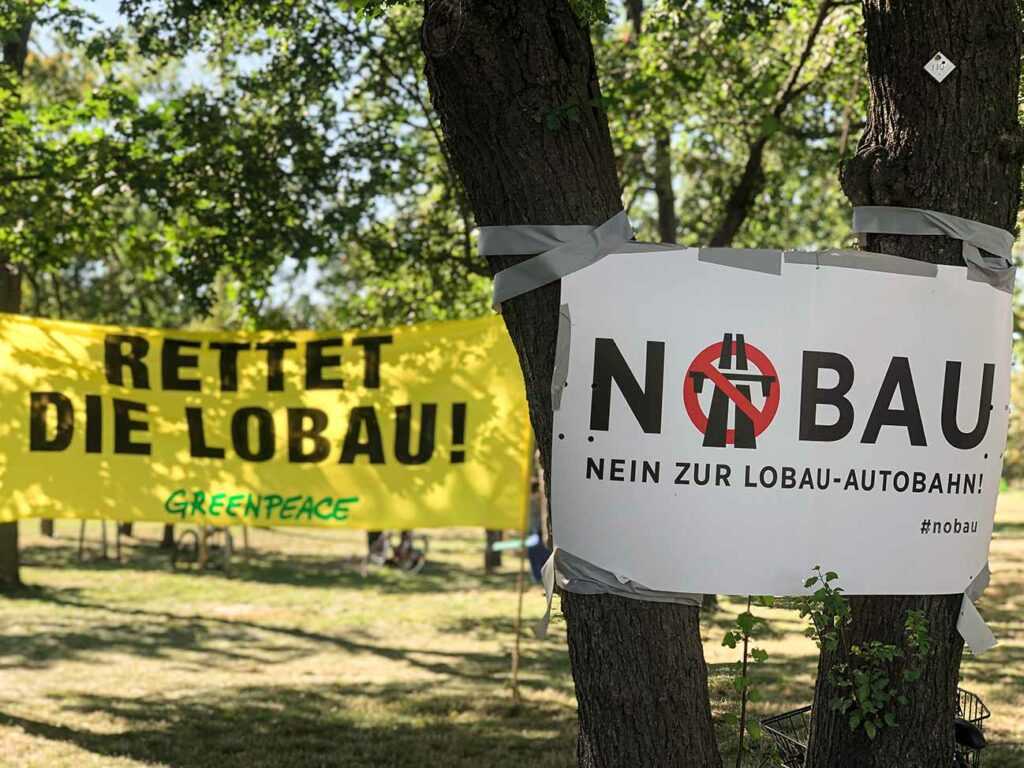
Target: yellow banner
[{"x": 412, "y": 427}]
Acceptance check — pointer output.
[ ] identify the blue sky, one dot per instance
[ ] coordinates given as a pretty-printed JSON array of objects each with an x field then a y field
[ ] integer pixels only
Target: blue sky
[{"x": 105, "y": 9}]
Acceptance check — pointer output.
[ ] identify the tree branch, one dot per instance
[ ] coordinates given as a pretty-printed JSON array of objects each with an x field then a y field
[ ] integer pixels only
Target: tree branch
[{"x": 746, "y": 189}]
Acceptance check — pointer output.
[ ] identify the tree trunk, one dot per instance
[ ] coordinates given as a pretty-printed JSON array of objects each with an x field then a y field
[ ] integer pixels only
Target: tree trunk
[
  {"x": 46, "y": 527},
  {"x": 667, "y": 225},
  {"x": 492, "y": 559},
  {"x": 167, "y": 542},
  {"x": 744, "y": 194},
  {"x": 954, "y": 147},
  {"x": 10, "y": 301},
  {"x": 14, "y": 52},
  {"x": 496, "y": 70}
]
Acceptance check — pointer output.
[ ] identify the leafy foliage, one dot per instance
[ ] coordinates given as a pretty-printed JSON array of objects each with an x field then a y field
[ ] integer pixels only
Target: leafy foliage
[
  {"x": 715, "y": 78},
  {"x": 185, "y": 181},
  {"x": 401, "y": 244},
  {"x": 306, "y": 137},
  {"x": 869, "y": 693}
]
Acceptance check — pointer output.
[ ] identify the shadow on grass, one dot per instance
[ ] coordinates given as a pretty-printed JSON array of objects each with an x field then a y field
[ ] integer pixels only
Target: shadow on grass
[
  {"x": 293, "y": 569},
  {"x": 365, "y": 726},
  {"x": 1010, "y": 530},
  {"x": 206, "y": 641}
]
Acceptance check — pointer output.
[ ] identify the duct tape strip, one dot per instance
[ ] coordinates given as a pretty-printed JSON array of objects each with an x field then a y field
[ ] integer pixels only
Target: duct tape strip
[
  {"x": 970, "y": 624},
  {"x": 996, "y": 270},
  {"x": 574, "y": 574},
  {"x": 560, "y": 249}
]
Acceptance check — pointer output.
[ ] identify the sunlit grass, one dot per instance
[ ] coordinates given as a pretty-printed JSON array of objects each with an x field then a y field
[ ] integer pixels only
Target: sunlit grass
[{"x": 298, "y": 659}]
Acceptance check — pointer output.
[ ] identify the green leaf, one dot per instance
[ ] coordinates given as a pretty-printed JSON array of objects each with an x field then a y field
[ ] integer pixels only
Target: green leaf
[{"x": 746, "y": 621}]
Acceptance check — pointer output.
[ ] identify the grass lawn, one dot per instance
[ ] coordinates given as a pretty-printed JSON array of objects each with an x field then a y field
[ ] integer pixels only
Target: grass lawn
[{"x": 299, "y": 659}]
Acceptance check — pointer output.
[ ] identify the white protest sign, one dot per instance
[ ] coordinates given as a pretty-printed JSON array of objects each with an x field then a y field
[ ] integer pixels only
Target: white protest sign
[{"x": 725, "y": 427}]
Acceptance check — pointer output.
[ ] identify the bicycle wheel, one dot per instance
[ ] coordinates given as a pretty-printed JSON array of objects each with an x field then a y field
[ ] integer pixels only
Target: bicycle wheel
[
  {"x": 415, "y": 557},
  {"x": 186, "y": 549}
]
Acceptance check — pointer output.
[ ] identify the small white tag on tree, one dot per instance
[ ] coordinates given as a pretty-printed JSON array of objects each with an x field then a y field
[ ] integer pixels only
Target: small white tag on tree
[{"x": 939, "y": 67}]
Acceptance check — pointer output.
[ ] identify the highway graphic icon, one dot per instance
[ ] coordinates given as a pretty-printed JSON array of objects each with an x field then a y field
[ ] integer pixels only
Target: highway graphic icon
[{"x": 734, "y": 368}]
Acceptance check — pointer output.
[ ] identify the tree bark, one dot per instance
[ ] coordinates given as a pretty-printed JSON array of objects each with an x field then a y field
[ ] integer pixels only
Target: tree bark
[
  {"x": 667, "y": 222},
  {"x": 15, "y": 50},
  {"x": 10, "y": 571},
  {"x": 954, "y": 147},
  {"x": 496, "y": 70},
  {"x": 492, "y": 559}
]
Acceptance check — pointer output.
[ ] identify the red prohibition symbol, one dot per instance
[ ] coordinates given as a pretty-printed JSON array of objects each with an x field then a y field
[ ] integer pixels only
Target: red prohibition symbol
[{"x": 725, "y": 365}]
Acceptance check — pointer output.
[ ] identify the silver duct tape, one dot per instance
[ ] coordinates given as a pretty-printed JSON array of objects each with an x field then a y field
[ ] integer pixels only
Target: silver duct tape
[
  {"x": 873, "y": 262},
  {"x": 574, "y": 574},
  {"x": 561, "y": 250},
  {"x": 997, "y": 270},
  {"x": 973, "y": 629},
  {"x": 970, "y": 624},
  {"x": 755, "y": 259}
]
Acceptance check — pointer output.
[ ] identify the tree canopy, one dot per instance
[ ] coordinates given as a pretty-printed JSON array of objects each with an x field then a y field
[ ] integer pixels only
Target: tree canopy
[{"x": 195, "y": 145}]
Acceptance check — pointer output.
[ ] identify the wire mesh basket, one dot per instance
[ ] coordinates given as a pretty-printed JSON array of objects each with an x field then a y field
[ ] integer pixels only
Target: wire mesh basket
[
  {"x": 790, "y": 732},
  {"x": 972, "y": 709}
]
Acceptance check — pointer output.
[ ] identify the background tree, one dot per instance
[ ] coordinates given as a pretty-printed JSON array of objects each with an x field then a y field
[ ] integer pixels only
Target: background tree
[
  {"x": 757, "y": 100},
  {"x": 127, "y": 193},
  {"x": 402, "y": 247},
  {"x": 15, "y": 26},
  {"x": 954, "y": 147}
]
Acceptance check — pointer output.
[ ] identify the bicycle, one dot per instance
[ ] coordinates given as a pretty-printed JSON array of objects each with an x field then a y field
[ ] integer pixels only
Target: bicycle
[
  {"x": 217, "y": 548},
  {"x": 409, "y": 555}
]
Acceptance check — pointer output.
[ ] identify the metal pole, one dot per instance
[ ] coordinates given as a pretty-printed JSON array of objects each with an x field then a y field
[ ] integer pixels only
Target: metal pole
[
  {"x": 202, "y": 554},
  {"x": 520, "y": 584}
]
